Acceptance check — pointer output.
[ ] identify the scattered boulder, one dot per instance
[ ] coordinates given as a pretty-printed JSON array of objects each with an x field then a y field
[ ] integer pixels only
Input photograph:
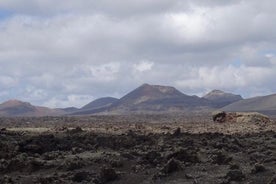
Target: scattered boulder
[
  {"x": 33, "y": 148},
  {"x": 6, "y": 179},
  {"x": 221, "y": 158},
  {"x": 185, "y": 155},
  {"x": 219, "y": 116},
  {"x": 116, "y": 163},
  {"x": 61, "y": 129},
  {"x": 152, "y": 157},
  {"x": 177, "y": 132},
  {"x": 171, "y": 166},
  {"x": 76, "y": 130},
  {"x": 235, "y": 175},
  {"x": 80, "y": 176},
  {"x": 3, "y": 129},
  {"x": 239, "y": 117},
  {"x": 108, "y": 174},
  {"x": 272, "y": 180},
  {"x": 48, "y": 179},
  {"x": 39, "y": 144},
  {"x": 258, "y": 168},
  {"x": 34, "y": 165},
  {"x": 72, "y": 164},
  {"x": 234, "y": 166}
]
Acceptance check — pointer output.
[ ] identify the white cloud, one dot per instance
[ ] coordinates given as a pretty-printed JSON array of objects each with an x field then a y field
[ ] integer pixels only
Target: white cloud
[
  {"x": 106, "y": 72},
  {"x": 190, "y": 26},
  {"x": 72, "y": 100},
  {"x": 143, "y": 66},
  {"x": 7, "y": 82},
  {"x": 90, "y": 49},
  {"x": 229, "y": 78}
]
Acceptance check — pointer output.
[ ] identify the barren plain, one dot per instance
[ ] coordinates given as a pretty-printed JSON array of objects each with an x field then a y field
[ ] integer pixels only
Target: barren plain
[{"x": 134, "y": 149}]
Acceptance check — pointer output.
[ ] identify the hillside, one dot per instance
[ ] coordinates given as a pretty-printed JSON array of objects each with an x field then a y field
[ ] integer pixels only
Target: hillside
[
  {"x": 148, "y": 99},
  {"x": 221, "y": 98},
  {"x": 263, "y": 104},
  {"x": 99, "y": 103},
  {"x": 96, "y": 106},
  {"x": 156, "y": 98},
  {"x": 19, "y": 108}
]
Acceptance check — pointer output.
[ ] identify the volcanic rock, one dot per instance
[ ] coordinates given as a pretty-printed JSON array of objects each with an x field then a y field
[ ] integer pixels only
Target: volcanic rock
[
  {"x": 235, "y": 175},
  {"x": 258, "y": 168},
  {"x": 240, "y": 117},
  {"x": 171, "y": 166},
  {"x": 80, "y": 176},
  {"x": 108, "y": 174}
]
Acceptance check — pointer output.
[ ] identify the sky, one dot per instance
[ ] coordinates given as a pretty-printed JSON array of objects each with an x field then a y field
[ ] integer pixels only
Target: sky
[{"x": 68, "y": 53}]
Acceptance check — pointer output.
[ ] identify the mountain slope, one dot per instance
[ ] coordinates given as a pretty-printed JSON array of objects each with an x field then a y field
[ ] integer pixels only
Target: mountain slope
[
  {"x": 221, "y": 98},
  {"x": 148, "y": 92},
  {"x": 156, "y": 98},
  {"x": 69, "y": 109},
  {"x": 96, "y": 106},
  {"x": 19, "y": 108},
  {"x": 264, "y": 104},
  {"x": 151, "y": 99},
  {"x": 100, "y": 103}
]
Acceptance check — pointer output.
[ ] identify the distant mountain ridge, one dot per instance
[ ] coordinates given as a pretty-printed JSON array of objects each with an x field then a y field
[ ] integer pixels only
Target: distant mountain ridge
[
  {"x": 150, "y": 99},
  {"x": 154, "y": 98},
  {"x": 19, "y": 108},
  {"x": 148, "y": 92}
]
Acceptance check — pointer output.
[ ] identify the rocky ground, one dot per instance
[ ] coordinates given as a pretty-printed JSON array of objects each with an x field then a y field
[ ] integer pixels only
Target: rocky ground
[{"x": 136, "y": 150}]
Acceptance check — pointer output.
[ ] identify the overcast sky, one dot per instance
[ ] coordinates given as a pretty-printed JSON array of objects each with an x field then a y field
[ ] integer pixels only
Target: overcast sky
[{"x": 68, "y": 53}]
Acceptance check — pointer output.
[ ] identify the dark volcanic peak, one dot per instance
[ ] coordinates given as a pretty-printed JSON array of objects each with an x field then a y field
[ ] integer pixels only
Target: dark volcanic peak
[
  {"x": 144, "y": 98},
  {"x": 221, "y": 98},
  {"x": 100, "y": 103},
  {"x": 168, "y": 90},
  {"x": 148, "y": 92},
  {"x": 156, "y": 98},
  {"x": 151, "y": 99}
]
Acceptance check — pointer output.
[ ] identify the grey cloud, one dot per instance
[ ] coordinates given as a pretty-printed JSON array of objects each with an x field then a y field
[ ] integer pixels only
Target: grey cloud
[
  {"x": 114, "y": 8},
  {"x": 109, "y": 7},
  {"x": 64, "y": 54}
]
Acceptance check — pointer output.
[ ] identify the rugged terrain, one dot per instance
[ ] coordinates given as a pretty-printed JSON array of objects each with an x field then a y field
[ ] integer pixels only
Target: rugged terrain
[{"x": 136, "y": 149}]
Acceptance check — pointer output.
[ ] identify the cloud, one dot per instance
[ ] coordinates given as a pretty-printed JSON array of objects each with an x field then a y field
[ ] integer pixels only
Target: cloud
[
  {"x": 143, "y": 66},
  {"x": 72, "y": 100},
  {"x": 245, "y": 80},
  {"x": 7, "y": 82},
  {"x": 62, "y": 54}
]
